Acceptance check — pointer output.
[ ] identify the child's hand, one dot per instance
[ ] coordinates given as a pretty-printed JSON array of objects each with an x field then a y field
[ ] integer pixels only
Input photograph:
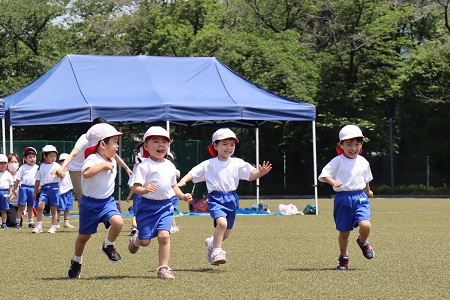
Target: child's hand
[
  {"x": 129, "y": 172},
  {"x": 107, "y": 166},
  {"x": 265, "y": 168},
  {"x": 336, "y": 183},
  {"x": 187, "y": 197},
  {"x": 370, "y": 194},
  {"x": 181, "y": 184},
  {"x": 151, "y": 188},
  {"x": 128, "y": 200}
]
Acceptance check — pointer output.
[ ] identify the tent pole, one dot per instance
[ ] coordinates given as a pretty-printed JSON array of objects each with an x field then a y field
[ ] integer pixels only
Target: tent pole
[
  {"x": 11, "y": 146},
  {"x": 315, "y": 166},
  {"x": 257, "y": 163},
  {"x": 168, "y": 130},
  {"x": 4, "y": 136},
  {"x": 120, "y": 167}
]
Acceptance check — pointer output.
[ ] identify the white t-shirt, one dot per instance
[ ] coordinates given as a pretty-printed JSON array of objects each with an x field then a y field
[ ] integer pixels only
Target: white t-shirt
[
  {"x": 100, "y": 186},
  {"x": 353, "y": 173},
  {"x": 14, "y": 200},
  {"x": 76, "y": 164},
  {"x": 222, "y": 176},
  {"x": 27, "y": 174},
  {"x": 44, "y": 173},
  {"x": 6, "y": 180},
  {"x": 131, "y": 179},
  {"x": 162, "y": 174},
  {"x": 65, "y": 184}
]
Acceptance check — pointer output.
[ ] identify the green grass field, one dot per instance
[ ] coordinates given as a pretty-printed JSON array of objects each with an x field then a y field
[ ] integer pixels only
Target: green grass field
[{"x": 269, "y": 257}]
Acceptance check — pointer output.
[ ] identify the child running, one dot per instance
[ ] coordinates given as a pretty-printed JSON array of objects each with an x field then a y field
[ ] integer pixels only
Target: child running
[
  {"x": 155, "y": 181},
  {"x": 47, "y": 187},
  {"x": 26, "y": 178},
  {"x": 222, "y": 174},
  {"x": 97, "y": 204},
  {"x": 6, "y": 188},
  {"x": 349, "y": 174},
  {"x": 65, "y": 197}
]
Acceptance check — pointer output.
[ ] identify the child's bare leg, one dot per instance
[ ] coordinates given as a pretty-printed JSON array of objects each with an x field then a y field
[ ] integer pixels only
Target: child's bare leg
[
  {"x": 55, "y": 215},
  {"x": 364, "y": 230},
  {"x": 30, "y": 212},
  {"x": 80, "y": 243},
  {"x": 343, "y": 241},
  {"x": 20, "y": 212},
  {"x": 41, "y": 208},
  {"x": 219, "y": 232},
  {"x": 164, "y": 247},
  {"x": 4, "y": 216},
  {"x": 116, "y": 226}
]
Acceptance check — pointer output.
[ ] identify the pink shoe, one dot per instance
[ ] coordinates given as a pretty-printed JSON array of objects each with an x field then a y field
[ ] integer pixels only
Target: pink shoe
[{"x": 218, "y": 258}]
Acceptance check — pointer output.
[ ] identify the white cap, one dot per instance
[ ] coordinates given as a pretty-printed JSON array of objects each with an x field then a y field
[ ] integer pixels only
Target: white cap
[
  {"x": 100, "y": 132},
  {"x": 223, "y": 134},
  {"x": 49, "y": 148},
  {"x": 3, "y": 158},
  {"x": 63, "y": 156},
  {"x": 156, "y": 131},
  {"x": 350, "y": 132}
]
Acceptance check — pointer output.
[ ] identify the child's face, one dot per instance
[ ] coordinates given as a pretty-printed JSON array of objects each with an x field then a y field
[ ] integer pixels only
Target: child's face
[
  {"x": 108, "y": 150},
  {"x": 225, "y": 148},
  {"x": 50, "y": 157},
  {"x": 3, "y": 166},
  {"x": 157, "y": 147},
  {"x": 31, "y": 159},
  {"x": 351, "y": 148}
]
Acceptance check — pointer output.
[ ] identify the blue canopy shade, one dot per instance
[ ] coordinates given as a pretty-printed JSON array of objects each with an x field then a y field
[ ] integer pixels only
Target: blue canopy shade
[
  {"x": 2, "y": 109},
  {"x": 134, "y": 89}
]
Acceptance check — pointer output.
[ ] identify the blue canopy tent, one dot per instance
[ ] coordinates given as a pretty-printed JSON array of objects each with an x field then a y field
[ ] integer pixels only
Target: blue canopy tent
[
  {"x": 2, "y": 116},
  {"x": 188, "y": 91}
]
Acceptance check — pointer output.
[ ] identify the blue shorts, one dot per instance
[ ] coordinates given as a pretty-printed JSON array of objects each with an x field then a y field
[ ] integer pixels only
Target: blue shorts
[
  {"x": 175, "y": 201},
  {"x": 136, "y": 199},
  {"x": 26, "y": 195},
  {"x": 153, "y": 216},
  {"x": 50, "y": 194},
  {"x": 94, "y": 211},
  {"x": 350, "y": 208},
  {"x": 223, "y": 204},
  {"x": 65, "y": 201},
  {"x": 4, "y": 203}
]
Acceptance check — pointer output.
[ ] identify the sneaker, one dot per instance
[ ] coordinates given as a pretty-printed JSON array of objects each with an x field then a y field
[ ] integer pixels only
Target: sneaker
[
  {"x": 68, "y": 225},
  {"x": 17, "y": 226},
  {"x": 31, "y": 225},
  {"x": 52, "y": 230},
  {"x": 164, "y": 272},
  {"x": 37, "y": 229},
  {"x": 174, "y": 229},
  {"x": 4, "y": 226},
  {"x": 367, "y": 251},
  {"x": 74, "y": 270},
  {"x": 111, "y": 252},
  {"x": 57, "y": 226},
  {"x": 218, "y": 258},
  {"x": 133, "y": 230},
  {"x": 132, "y": 247},
  {"x": 209, "y": 247},
  {"x": 343, "y": 262}
]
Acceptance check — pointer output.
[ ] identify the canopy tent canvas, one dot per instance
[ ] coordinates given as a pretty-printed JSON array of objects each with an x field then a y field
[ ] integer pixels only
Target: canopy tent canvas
[{"x": 145, "y": 89}]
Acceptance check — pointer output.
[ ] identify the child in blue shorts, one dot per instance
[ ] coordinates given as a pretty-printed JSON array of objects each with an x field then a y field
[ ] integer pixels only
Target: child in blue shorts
[
  {"x": 349, "y": 173},
  {"x": 97, "y": 205},
  {"x": 155, "y": 180},
  {"x": 47, "y": 187},
  {"x": 6, "y": 188},
  {"x": 222, "y": 174},
  {"x": 66, "y": 196}
]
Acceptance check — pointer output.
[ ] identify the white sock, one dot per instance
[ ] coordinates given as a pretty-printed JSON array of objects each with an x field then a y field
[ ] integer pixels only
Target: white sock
[
  {"x": 39, "y": 224},
  {"x": 108, "y": 242},
  {"x": 31, "y": 221},
  {"x": 17, "y": 220},
  {"x": 78, "y": 259},
  {"x": 216, "y": 250}
]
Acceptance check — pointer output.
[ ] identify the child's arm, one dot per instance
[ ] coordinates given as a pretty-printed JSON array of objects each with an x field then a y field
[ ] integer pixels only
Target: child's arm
[
  {"x": 368, "y": 191},
  {"x": 130, "y": 194},
  {"x": 37, "y": 189},
  {"x": 71, "y": 156},
  {"x": 188, "y": 177},
  {"x": 186, "y": 197},
  {"x": 140, "y": 190},
  {"x": 16, "y": 184},
  {"x": 334, "y": 183},
  {"x": 95, "y": 169},
  {"x": 261, "y": 171},
  {"x": 123, "y": 164},
  {"x": 10, "y": 192}
]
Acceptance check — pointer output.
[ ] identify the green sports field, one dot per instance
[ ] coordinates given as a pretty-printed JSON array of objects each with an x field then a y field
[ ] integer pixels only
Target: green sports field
[{"x": 269, "y": 257}]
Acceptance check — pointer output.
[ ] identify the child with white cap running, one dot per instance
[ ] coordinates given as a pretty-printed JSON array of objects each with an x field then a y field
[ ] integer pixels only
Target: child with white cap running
[
  {"x": 155, "y": 180},
  {"x": 222, "y": 174},
  {"x": 349, "y": 173},
  {"x": 47, "y": 186},
  {"x": 97, "y": 204},
  {"x": 6, "y": 188}
]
